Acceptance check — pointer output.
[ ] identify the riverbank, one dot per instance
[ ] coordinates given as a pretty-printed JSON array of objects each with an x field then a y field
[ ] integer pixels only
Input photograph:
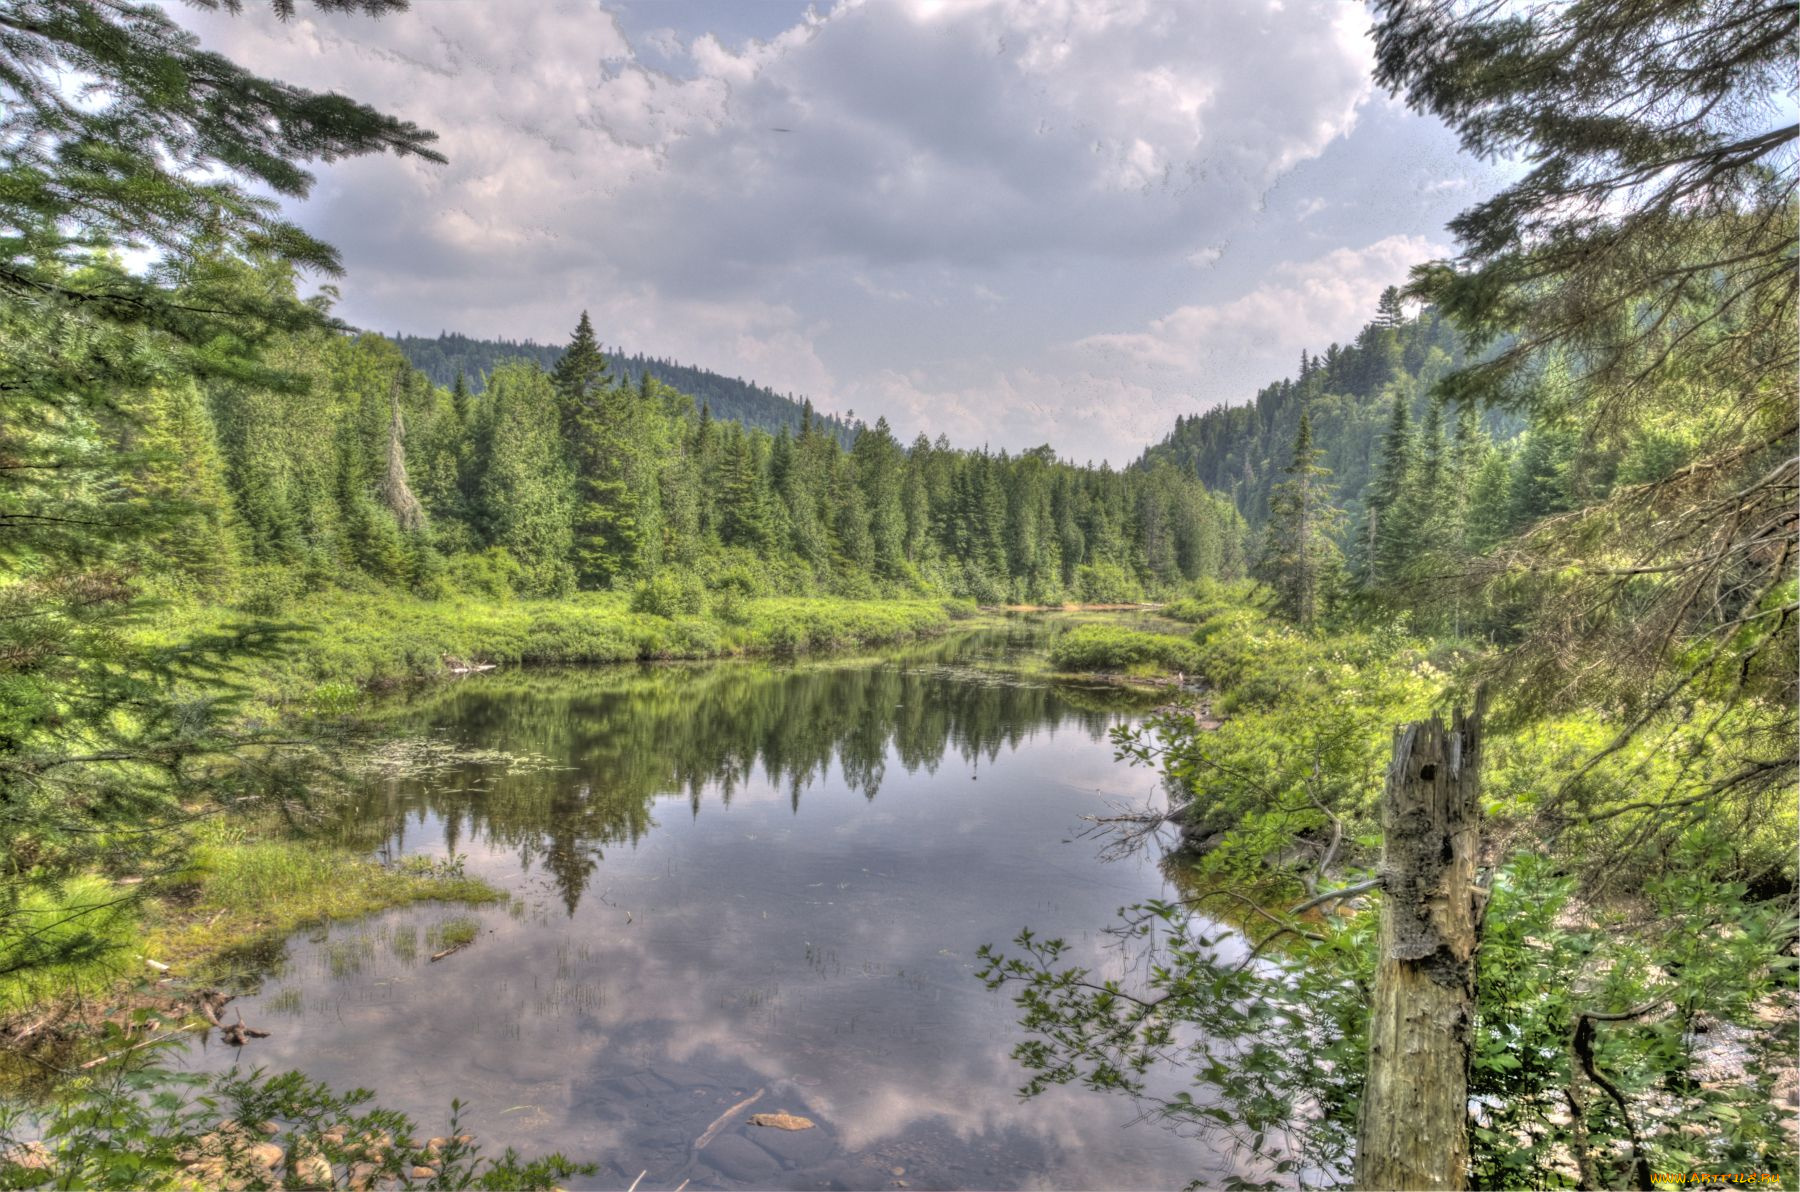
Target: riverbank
[
  {"x": 245, "y": 880},
  {"x": 159, "y": 941},
  {"x": 337, "y": 644}
]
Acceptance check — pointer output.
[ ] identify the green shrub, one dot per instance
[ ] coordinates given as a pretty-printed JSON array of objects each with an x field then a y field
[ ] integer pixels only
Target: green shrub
[
  {"x": 1106, "y": 583},
  {"x": 670, "y": 594},
  {"x": 493, "y": 574},
  {"x": 731, "y": 607},
  {"x": 1110, "y": 648},
  {"x": 162, "y": 1128},
  {"x": 739, "y": 579},
  {"x": 268, "y": 591}
]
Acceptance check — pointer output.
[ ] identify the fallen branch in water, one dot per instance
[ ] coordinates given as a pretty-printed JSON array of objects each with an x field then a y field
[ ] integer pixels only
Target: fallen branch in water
[
  {"x": 453, "y": 948},
  {"x": 712, "y": 1131},
  {"x": 1130, "y": 831}
]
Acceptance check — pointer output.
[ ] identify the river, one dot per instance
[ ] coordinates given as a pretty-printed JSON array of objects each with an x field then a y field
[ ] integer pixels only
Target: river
[{"x": 732, "y": 878}]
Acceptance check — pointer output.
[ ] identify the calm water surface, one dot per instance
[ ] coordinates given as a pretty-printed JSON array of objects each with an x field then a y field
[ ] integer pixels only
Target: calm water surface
[{"x": 731, "y": 878}]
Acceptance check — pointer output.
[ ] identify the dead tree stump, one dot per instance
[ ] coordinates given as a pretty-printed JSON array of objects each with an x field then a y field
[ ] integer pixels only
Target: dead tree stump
[{"x": 1414, "y": 1128}]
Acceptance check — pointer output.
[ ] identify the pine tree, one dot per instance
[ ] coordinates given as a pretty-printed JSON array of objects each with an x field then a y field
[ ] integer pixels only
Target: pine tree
[
  {"x": 1386, "y": 538},
  {"x": 1389, "y": 314},
  {"x": 1649, "y": 247},
  {"x": 121, "y": 131},
  {"x": 523, "y": 490},
  {"x": 743, "y": 508},
  {"x": 879, "y": 467},
  {"x": 579, "y": 376},
  {"x": 1299, "y": 561},
  {"x": 459, "y": 398},
  {"x": 1489, "y": 518}
]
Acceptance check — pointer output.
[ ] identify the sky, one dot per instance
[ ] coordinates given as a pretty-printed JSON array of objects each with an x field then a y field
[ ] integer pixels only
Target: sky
[{"x": 1012, "y": 222}]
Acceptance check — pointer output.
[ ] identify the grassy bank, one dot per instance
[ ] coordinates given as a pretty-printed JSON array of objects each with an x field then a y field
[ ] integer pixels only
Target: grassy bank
[
  {"x": 241, "y": 881},
  {"x": 1112, "y": 649},
  {"x": 374, "y": 640},
  {"x": 236, "y": 887}
]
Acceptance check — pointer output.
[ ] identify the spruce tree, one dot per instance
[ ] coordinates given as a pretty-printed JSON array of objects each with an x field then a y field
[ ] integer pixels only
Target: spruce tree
[
  {"x": 523, "y": 490},
  {"x": 1386, "y": 538},
  {"x": 743, "y": 509},
  {"x": 122, "y": 132},
  {"x": 1650, "y": 242},
  {"x": 1299, "y": 561},
  {"x": 579, "y": 376},
  {"x": 459, "y": 398}
]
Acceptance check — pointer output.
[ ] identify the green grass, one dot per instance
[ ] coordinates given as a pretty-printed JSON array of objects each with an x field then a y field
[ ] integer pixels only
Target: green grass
[
  {"x": 237, "y": 891},
  {"x": 451, "y": 933},
  {"x": 1093, "y": 648},
  {"x": 348, "y": 641}
]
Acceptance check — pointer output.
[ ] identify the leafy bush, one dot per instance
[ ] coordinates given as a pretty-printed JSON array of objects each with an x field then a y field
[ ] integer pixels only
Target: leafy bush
[
  {"x": 168, "y": 1129},
  {"x": 731, "y": 607},
  {"x": 1106, "y": 583},
  {"x": 670, "y": 594},
  {"x": 742, "y": 579},
  {"x": 269, "y": 591},
  {"x": 492, "y": 575}
]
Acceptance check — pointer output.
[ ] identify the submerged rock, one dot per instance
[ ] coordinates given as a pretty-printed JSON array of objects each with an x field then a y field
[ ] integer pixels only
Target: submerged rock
[
  {"x": 740, "y": 1158},
  {"x": 781, "y": 1121}
]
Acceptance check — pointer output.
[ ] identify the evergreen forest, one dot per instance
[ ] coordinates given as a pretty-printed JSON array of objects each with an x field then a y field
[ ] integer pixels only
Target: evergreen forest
[
  {"x": 730, "y": 399},
  {"x": 1457, "y": 668}
]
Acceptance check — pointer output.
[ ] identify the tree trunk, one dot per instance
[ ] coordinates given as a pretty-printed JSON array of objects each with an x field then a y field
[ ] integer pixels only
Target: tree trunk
[{"x": 1414, "y": 1129}]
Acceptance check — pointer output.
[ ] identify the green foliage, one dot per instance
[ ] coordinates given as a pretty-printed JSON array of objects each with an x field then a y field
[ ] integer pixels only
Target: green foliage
[
  {"x": 1299, "y": 560},
  {"x": 444, "y": 357},
  {"x": 1348, "y": 395},
  {"x": 373, "y": 476},
  {"x": 1275, "y": 1049},
  {"x": 1291, "y": 776},
  {"x": 670, "y": 594},
  {"x": 1278, "y": 1046},
  {"x": 375, "y": 639},
  {"x": 1105, "y": 583},
  {"x": 158, "y": 1128},
  {"x": 72, "y": 936},
  {"x": 233, "y": 887},
  {"x": 1108, "y": 648},
  {"x": 522, "y": 498},
  {"x": 1632, "y": 293},
  {"x": 492, "y": 575}
]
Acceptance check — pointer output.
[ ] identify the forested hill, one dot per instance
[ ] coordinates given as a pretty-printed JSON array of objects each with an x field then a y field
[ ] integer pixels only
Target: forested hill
[
  {"x": 729, "y": 398},
  {"x": 1349, "y": 393}
]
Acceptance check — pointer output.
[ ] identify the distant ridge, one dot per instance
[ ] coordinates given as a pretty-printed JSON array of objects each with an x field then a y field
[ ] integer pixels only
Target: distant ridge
[{"x": 732, "y": 399}]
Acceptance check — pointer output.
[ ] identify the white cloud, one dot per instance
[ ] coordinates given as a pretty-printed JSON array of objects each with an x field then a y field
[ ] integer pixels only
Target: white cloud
[
  {"x": 1301, "y": 306},
  {"x": 972, "y": 156},
  {"x": 1087, "y": 416}
]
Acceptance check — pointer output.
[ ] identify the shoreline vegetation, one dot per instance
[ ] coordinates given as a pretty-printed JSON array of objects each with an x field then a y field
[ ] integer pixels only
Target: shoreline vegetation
[
  {"x": 1554, "y": 480},
  {"x": 352, "y": 642},
  {"x": 249, "y": 881}
]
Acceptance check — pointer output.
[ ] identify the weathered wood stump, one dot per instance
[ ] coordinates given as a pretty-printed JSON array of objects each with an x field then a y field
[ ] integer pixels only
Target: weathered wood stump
[{"x": 1414, "y": 1128}]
